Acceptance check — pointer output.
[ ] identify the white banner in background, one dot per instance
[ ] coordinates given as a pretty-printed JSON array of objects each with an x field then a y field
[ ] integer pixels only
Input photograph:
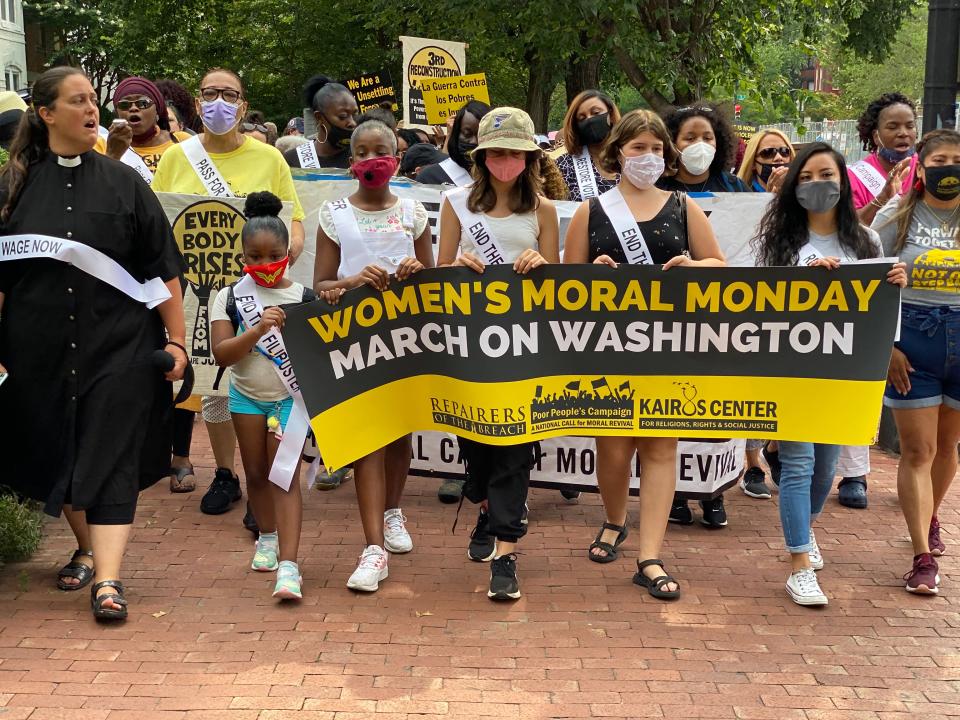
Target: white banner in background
[{"x": 704, "y": 468}]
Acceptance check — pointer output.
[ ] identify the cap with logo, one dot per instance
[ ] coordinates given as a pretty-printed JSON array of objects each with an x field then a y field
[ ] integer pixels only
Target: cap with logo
[{"x": 506, "y": 128}]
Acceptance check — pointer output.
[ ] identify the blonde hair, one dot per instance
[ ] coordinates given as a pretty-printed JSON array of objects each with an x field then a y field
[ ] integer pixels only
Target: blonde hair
[
  {"x": 750, "y": 154},
  {"x": 630, "y": 125}
]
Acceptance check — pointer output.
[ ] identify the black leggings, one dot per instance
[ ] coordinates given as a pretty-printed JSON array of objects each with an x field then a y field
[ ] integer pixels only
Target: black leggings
[
  {"x": 182, "y": 431},
  {"x": 499, "y": 474}
]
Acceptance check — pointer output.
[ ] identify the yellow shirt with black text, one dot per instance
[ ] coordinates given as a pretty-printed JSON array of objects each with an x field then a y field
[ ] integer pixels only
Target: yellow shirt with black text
[{"x": 252, "y": 167}]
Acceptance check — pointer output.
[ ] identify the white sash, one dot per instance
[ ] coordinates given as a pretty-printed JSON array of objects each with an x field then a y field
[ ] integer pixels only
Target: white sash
[
  {"x": 203, "y": 166},
  {"x": 491, "y": 252},
  {"x": 287, "y": 460},
  {"x": 93, "y": 262},
  {"x": 628, "y": 231},
  {"x": 307, "y": 154},
  {"x": 359, "y": 249},
  {"x": 459, "y": 176},
  {"x": 586, "y": 180},
  {"x": 808, "y": 255},
  {"x": 871, "y": 178},
  {"x": 132, "y": 159}
]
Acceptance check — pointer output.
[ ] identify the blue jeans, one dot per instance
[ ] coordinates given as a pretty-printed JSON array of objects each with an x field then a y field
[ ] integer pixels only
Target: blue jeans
[{"x": 806, "y": 476}]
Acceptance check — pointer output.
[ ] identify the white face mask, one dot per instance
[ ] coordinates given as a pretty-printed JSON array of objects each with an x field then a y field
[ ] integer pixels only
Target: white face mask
[
  {"x": 642, "y": 170},
  {"x": 696, "y": 158}
]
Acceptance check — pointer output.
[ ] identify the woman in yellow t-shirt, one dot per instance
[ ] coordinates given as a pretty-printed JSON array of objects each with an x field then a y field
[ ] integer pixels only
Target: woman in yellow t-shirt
[
  {"x": 245, "y": 166},
  {"x": 144, "y": 126}
]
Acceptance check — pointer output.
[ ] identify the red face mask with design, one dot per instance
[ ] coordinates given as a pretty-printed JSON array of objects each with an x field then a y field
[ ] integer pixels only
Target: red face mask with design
[
  {"x": 375, "y": 172},
  {"x": 268, "y": 274}
]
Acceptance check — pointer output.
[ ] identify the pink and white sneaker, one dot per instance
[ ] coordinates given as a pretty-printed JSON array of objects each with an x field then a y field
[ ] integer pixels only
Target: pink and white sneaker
[{"x": 371, "y": 569}]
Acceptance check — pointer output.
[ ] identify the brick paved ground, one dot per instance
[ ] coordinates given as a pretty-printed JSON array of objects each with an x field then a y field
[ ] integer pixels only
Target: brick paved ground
[{"x": 205, "y": 641}]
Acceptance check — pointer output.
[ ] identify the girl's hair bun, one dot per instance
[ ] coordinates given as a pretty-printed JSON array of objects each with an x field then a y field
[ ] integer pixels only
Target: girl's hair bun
[{"x": 262, "y": 204}]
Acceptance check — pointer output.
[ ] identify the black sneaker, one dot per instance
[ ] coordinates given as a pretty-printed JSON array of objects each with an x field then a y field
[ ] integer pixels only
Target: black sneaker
[
  {"x": 571, "y": 496},
  {"x": 773, "y": 462},
  {"x": 680, "y": 512},
  {"x": 332, "y": 480},
  {"x": 250, "y": 522},
  {"x": 450, "y": 491},
  {"x": 222, "y": 493},
  {"x": 714, "y": 514},
  {"x": 753, "y": 484},
  {"x": 503, "y": 579},
  {"x": 483, "y": 546}
]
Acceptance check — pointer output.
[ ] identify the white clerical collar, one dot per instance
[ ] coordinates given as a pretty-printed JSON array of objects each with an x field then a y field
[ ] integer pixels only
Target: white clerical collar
[{"x": 70, "y": 162}]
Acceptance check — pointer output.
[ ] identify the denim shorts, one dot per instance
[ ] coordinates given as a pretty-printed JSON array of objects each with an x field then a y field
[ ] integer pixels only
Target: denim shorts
[
  {"x": 930, "y": 338},
  {"x": 243, "y": 405}
]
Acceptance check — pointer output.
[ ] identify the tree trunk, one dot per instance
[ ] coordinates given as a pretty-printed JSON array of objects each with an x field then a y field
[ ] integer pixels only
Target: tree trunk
[
  {"x": 583, "y": 71},
  {"x": 540, "y": 83}
]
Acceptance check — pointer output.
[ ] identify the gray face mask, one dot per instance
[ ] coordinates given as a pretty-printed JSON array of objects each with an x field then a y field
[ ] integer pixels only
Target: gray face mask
[{"x": 818, "y": 196}]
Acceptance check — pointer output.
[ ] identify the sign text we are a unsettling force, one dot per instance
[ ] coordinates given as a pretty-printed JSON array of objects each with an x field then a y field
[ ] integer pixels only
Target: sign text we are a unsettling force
[{"x": 590, "y": 350}]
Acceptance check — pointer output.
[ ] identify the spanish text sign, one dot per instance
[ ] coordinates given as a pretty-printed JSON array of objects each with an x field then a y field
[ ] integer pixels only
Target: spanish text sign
[
  {"x": 443, "y": 97},
  {"x": 787, "y": 353}
]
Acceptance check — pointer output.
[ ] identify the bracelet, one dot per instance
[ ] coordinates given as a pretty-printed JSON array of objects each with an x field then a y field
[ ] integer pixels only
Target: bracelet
[{"x": 177, "y": 345}]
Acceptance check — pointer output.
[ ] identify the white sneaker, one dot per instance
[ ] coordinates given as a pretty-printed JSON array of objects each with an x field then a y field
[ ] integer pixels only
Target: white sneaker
[
  {"x": 396, "y": 539},
  {"x": 803, "y": 588},
  {"x": 370, "y": 571},
  {"x": 816, "y": 558}
]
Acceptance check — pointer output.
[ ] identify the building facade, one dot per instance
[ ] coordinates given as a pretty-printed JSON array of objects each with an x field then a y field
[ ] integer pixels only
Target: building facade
[{"x": 13, "y": 50}]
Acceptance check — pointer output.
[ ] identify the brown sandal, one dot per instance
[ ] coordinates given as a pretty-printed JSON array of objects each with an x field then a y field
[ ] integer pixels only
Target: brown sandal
[{"x": 182, "y": 480}]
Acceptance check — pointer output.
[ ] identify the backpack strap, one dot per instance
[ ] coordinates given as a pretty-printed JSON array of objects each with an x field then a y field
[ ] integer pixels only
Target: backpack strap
[{"x": 234, "y": 315}]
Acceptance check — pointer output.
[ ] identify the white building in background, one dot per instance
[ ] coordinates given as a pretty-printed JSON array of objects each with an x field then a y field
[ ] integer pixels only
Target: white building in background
[{"x": 13, "y": 47}]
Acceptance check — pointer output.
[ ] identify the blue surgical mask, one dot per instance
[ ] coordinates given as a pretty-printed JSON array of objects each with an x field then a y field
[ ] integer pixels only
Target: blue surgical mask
[{"x": 894, "y": 156}]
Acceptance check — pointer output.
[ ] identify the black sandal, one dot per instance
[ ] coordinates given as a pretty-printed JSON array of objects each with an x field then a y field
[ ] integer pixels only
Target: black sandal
[
  {"x": 179, "y": 482},
  {"x": 75, "y": 569},
  {"x": 96, "y": 601},
  {"x": 655, "y": 586},
  {"x": 611, "y": 550}
]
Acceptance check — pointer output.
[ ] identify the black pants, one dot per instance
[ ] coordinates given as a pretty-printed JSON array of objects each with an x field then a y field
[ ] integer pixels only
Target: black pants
[
  {"x": 499, "y": 474},
  {"x": 182, "y": 431}
]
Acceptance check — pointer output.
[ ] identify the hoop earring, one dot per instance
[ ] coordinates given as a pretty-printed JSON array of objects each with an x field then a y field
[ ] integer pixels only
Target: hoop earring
[{"x": 326, "y": 134}]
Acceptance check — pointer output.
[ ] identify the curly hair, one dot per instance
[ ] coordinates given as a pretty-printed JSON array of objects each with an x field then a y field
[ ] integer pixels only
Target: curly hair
[
  {"x": 554, "y": 188},
  {"x": 178, "y": 96},
  {"x": 870, "y": 120},
  {"x": 722, "y": 131}
]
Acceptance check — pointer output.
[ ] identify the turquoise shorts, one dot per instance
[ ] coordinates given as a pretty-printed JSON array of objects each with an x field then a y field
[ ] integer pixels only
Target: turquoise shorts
[{"x": 243, "y": 405}]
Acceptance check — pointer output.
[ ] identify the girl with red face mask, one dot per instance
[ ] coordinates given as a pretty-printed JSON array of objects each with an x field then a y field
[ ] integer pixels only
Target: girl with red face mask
[
  {"x": 501, "y": 218},
  {"x": 259, "y": 401},
  {"x": 365, "y": 239}
]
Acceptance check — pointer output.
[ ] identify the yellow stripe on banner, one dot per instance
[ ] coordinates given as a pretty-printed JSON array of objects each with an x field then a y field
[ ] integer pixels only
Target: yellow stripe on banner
[{"x": 842, "y": 412}]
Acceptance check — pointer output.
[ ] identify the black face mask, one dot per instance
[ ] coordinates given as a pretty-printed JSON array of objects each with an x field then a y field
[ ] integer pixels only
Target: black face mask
[
  {"x": 594, "y": 129},
  {"x": 767, "y": 170},
  {"x": 337, "y": 136},
  {"x": 942, "y": 181},
  {"x": 465, "y": 149}
]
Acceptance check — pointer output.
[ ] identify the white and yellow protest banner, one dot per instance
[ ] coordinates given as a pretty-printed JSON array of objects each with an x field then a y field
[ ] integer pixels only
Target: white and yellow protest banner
[
  {"x": 443, "y": 97},
  {"x": 425, "y": 59}
]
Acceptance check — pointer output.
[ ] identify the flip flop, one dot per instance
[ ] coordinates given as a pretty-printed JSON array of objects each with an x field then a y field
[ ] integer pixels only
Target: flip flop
[{"x": 182, "y": 480}]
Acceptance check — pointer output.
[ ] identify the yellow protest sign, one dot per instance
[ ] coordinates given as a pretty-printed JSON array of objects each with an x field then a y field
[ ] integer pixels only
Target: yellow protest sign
[{"x": 443, "y": 97}]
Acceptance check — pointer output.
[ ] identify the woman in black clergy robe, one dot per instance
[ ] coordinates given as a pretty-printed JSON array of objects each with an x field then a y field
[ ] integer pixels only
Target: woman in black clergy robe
[{"x": 84, "y": 413}]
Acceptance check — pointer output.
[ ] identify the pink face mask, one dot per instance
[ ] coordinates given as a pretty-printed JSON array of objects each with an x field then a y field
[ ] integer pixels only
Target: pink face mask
[
  {"x": 375, "y": 172},
  {"x": 505, "y": 167}
]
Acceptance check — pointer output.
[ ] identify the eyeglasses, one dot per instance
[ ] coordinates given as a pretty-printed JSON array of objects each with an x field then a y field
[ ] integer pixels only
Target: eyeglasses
[
  {"x": 771, "y": 152},
  {"x": 250, "y": 127},
  {"x": 141, "y": 104},
  {"x": 228, "y": 94}
]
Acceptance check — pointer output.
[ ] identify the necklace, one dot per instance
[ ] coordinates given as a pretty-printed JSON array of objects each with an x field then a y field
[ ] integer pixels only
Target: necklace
[{"x": 945, "y": 223}]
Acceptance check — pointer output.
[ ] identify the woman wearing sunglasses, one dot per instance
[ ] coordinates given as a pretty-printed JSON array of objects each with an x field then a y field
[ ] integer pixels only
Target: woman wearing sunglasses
[
  {"x": 765, "y": 161},
  {"x": 141, "y": 134}
]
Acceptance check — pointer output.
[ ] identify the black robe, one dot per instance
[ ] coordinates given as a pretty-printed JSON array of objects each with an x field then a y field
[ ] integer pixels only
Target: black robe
[{"x": 84, "y": 414}]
